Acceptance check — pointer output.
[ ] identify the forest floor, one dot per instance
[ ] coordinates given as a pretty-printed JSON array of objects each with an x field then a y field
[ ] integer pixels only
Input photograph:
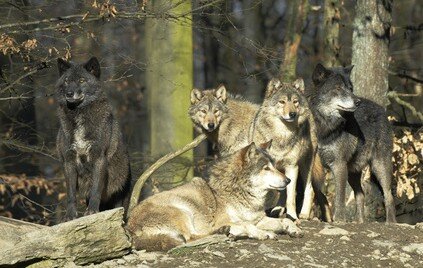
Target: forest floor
[{"x": 323, "y": 245}]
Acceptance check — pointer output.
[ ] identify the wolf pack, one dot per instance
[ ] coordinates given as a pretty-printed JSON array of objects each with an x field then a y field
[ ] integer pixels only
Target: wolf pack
[{"x": 263, "y": 152}]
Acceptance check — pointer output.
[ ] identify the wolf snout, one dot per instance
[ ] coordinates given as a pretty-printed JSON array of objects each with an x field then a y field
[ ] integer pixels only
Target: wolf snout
[
  {"x": 292, "y": 114},
  {"x": 210, "y": 126},
  {"x": 287, "y": 180}
]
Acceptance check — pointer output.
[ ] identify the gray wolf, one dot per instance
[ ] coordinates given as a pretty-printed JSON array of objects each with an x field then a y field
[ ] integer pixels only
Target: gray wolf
[
  {"x": 89, "y": 142},
  {"x": 352, "y": 132},
  {"x": 222, "y": 117},
  {"x": 285, "y": 118},
  {"x": 231, "y": 199}
]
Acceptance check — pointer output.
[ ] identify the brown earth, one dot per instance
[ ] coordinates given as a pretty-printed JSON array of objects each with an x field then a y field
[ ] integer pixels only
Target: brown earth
[{"x": 323, "y": 245}]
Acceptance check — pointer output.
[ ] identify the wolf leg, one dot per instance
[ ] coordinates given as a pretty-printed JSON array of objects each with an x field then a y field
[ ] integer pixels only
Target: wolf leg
[
  {"x": 71, "y": 182},
  {"x": 249, "y": 230},
  {"x": 308, "y": 201},
  {"x": 382, "y": 169},
  {"x": 99, "y": 173},
  {"x": 339, "y": 174},
  {"x": 292, "y": 173},
  {"x": 354, "y": 179},
  {"x": 284, "y": 226}
]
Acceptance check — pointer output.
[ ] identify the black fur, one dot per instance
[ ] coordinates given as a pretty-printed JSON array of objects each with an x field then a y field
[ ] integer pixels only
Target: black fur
[
  {"x": 89, "y": 141},
  {"x": 352, "y": 133}
]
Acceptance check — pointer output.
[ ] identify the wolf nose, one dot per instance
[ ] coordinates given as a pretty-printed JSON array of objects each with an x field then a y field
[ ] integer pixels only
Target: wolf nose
[
  {"x": 292, "y": 114},
  {"x": 357, "y": 102},
  {"x": 288, "y": 180},
  {"x": 210, "y": 125},
  {"x": 69, "y": 94}
]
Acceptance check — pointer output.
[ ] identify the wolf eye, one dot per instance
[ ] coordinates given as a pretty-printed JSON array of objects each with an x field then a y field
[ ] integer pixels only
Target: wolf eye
[
  {"x": 295, "y": 101},
  {"x": 282, "y": 102},
  {"x": 82, "y": 80},
  {"x": 216, "y": 111},
  {"x": 203, "y": 111},
  {"x": 266, "y": 167}
]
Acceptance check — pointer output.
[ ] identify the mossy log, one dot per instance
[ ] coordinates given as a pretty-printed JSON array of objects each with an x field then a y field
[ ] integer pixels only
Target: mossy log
[{"x": 93, "y": 238}]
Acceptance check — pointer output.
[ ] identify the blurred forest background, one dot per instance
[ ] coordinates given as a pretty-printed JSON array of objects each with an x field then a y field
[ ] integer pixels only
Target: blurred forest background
[{"x": 153, "y": 52}]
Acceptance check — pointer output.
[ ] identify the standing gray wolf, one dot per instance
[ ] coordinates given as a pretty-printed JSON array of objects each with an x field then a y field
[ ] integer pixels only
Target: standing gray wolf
[
  {"x": 232, "y": 199},
  {"x": 89, "y": 141},
  {"x": 352, "y": 133},
  {"x": 285, "y": 118}
]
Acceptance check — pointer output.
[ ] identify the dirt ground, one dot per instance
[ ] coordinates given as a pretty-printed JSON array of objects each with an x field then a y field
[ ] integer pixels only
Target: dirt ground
[{"x": 323, "y": 245}]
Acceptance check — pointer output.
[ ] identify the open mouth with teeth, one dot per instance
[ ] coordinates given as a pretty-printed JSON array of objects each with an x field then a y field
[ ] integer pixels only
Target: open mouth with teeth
[
  {"x": 348, "y": 109},
  {"x": 288, "y": 119}
]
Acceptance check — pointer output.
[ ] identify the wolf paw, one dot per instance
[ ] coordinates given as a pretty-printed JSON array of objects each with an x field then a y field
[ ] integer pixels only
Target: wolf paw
[
  {"x": 304, "y": 217},
  {"x": 264, "y": 235},
  {"x": 90, "y": 212},
  {"x": 70, "y": 215},
  {"x": 292, "y": 229}
]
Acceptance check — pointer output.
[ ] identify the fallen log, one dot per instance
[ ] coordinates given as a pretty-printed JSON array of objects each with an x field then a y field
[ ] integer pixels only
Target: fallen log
[{"x": 89, "y": 239}]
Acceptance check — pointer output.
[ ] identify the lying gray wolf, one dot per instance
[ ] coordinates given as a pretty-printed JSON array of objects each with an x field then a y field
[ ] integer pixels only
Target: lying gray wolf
[
  {"x": 89, "y": 141},
  {"x": 232, "y": 198},
  {"x": 352, "y": 133}
]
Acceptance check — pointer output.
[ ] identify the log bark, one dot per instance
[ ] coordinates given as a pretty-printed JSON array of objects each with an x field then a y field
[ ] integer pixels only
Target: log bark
[{"x": 85, "y": 240}]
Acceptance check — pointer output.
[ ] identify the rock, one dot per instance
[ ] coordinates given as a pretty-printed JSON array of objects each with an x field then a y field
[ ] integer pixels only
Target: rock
[
  {"x": 414, "y": 248},
  {"x": 386, "y": 244},
  {"x": 265, "y": 249},
  {"x": 121, "y": 261},
  {"x": 419, "y": 226},
  {"x": 147, "y": 256},
  {"x": 373, "y": 234},
  {"x": 332, "y": 230},
  {"x": 278, "y": 257},
  {"x": 345, "y": 238}
]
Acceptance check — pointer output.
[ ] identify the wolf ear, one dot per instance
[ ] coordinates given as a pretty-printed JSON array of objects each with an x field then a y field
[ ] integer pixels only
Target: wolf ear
[
  {"x": 320, "y": 74},
  {"x": 272, "y": 87},
  {"x": 196, "y": 95},
  {"x": 266, "y": 145},
  {"x": 299, "y": 85},
  {"x": 348, "y": 69},
  {"x": 248, "y": 152},
  {"x": 93, "y": 66},
  {"x": 220, "y": 93},
  {"x": 62, "y": 65}
]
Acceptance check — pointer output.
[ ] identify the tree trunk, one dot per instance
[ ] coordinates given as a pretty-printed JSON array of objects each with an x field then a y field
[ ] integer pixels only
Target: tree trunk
[
  {"x": 370, "y": 57},
  {"x": 297, "y": 15},
  {"x": 253, "y": 37},
  {"x": 88, "y": 239},
  {"x": 169, "y": 81},
  {"x": 331, "y": 33}
]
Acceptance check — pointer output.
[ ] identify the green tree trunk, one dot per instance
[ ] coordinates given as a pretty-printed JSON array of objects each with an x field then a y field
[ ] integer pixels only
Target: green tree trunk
[
  {"x": 331, "y": 33},
  {"x": 297, "y": 14},
  {"x": 169, "y": 80},
  {"x": 370, "y": 54}
]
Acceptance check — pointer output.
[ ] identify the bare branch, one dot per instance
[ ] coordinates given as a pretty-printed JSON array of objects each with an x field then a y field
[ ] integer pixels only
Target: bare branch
[{"x": 394, "y": 95}]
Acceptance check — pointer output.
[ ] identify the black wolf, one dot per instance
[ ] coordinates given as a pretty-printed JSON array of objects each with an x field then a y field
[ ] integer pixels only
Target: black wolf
[
  {"x": 89, "y": 142},
  {"x": 352, "y": 133}
]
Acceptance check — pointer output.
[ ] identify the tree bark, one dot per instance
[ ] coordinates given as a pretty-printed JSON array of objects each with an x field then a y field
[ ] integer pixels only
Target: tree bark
[
  {"x": 85, "y": 240},
  {"x": 370, "y": 56},
  {"x": 331, "y": 19},
  {"x": 253, "y": 28},
  {"x": 297, "y": 15},
  {"x": 169, "y": 80}
]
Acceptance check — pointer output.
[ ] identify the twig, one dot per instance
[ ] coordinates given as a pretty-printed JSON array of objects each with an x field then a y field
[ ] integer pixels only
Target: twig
[
  {"x": 403, "y": 74},
  {"x": 136, "y": 192},
  {"x": 394, "y": 95}
]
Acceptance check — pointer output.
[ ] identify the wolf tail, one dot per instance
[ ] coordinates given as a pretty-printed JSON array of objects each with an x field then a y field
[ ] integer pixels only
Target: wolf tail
[
  {"x": 318, "y": 179},
  {"x": 159, "y": 242}
]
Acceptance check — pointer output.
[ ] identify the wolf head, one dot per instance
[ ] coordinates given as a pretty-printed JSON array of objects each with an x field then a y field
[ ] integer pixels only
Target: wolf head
[
  {"x": 258, "y": 168},
  {"x": 249, "y": 170},
  {"x": 285, "y": 100},
  {"x": 334, "y": 90},
  {"x": 78, "y": 84},
  {"x": 208, "y": 107}
]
